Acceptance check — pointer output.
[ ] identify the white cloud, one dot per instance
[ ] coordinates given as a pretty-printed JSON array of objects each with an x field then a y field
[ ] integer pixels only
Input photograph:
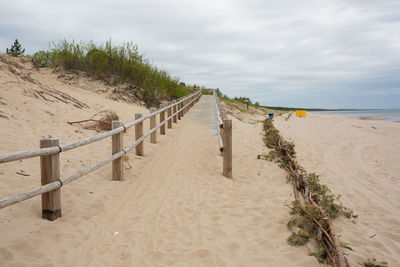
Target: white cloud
[{"x": 277, "y": 52}]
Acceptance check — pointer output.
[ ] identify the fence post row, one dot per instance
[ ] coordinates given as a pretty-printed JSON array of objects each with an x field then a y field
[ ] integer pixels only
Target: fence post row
[
  {"x": 50, "y": 172},
  {"x": 138, "y": 134},
  {"x": 50, "y": 158},
  {"x": 225, "y": 132},
  {"x": 162, "y": 118},
  {"x": 117, "y": 146},
  {"x": 153, "y": 136}
]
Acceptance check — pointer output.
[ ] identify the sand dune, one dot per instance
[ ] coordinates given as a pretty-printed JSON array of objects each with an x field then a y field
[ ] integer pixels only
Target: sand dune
[{"x": 174, "y": 208}]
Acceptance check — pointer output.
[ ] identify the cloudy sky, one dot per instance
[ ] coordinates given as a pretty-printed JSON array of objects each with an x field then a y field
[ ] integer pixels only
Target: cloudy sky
[{"x": 314, "y": 53}]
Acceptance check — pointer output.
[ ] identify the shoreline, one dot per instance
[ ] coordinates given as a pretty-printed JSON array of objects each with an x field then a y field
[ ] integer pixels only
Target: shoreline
[
  {"x": 389, "y": 115},
  {"x": 360, "y": 119}
]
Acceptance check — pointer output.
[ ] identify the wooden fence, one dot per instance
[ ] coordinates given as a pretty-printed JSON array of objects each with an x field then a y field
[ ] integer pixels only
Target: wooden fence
[
  {"x": 224, "y": 133},
  {"x": 50, "y": 150}
]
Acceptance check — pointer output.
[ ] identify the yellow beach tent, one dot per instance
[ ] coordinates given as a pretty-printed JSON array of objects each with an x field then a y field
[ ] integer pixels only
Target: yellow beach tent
[{"x": 301, "y": 113}]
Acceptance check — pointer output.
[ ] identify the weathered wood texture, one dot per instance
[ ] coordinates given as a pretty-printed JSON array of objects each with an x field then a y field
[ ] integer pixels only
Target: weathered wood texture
[
  {"x": 227, "y": 160},
  {"x": 8, "y": 201},
  {"x": 174, "y": 112},
  {"x": 138, "y": 134},
  {"x": 179, "y": 108},
  {"x": 50, "y": 172},
  {"x": 153, "y": 136},
  {"x": 28, "y": 154},
  {"x": 162, "y": 118},
  {"x": 117, "y": 146},
  {"x": 169, "y": 113}
]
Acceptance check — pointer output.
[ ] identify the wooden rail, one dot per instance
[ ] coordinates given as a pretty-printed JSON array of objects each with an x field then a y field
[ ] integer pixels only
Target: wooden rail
[
  {"x": 57, "y": 149},
  {"x": 224, "y": 133},
  {"x": 50, "y": 150}
]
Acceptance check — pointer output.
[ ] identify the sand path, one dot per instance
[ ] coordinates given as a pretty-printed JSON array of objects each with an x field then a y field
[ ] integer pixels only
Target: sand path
[
  {"x": 184, "y": 212},
  {"x": 173, "y": 209}
]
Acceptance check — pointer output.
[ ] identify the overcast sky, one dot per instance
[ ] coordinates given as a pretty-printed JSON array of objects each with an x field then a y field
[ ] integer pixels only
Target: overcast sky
[{"x": 314, "y": 53}]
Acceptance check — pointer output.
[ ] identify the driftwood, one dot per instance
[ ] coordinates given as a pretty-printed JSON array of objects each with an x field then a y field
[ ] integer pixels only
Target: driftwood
[
  {"x": 328, "y": 237},
  {"x": 325, "y": 232},
  {"x": 103, "y": 123},
  {"x": 53, "y": 95},
  {"x": 23, "y": 174}
]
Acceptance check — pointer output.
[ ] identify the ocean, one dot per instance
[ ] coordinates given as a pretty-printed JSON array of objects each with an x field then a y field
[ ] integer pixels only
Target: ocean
[{"x": 378, "y": 114}]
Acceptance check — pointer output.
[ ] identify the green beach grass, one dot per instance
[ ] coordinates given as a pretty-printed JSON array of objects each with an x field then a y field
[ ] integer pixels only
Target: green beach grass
[{"x": 123, "y": 61}]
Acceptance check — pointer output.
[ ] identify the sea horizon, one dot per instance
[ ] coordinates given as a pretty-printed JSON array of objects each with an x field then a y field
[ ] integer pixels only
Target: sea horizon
[{"x": 369, "y": 114}]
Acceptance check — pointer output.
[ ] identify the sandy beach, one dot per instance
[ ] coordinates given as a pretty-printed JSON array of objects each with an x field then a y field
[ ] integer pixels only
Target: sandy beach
[
  {"x": 357, "y": 159},
  {"x": 175, "y": 208}
]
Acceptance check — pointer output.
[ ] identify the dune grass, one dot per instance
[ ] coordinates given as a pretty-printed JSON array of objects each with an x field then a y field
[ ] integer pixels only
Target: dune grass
[{"x": 124, "y": 61}]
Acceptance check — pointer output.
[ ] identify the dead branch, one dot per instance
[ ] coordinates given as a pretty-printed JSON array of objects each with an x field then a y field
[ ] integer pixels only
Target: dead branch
[
  {"x": 104, "y": 121},
  {"x": 325, "y": 232},
  {"x": 23, "y": 174}
]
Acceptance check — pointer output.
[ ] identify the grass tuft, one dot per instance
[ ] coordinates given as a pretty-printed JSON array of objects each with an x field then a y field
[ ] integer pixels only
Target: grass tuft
[
  {"x": 371, "y": 262},
  {"x": 124, "y": 62},
  {"x": 320, "y": 254},
  {"x": 298, "y": 239},
  {"x": 327, "y": 199}
]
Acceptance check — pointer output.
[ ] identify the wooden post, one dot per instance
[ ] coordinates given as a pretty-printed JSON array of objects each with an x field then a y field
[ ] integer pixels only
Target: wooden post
[
  {"x": 50, "y": 172},
  {"x": 162, "y": 118},
  {"x": 138, "y": 134},
  {"x": 179, "y": 107},
  {"x": 227, "y": 161},
  {"x": 169, "y": 113},
  {"x": 182, "y": 104},
  {"x": 174, "y": 111},
  {"x": 153, "y": 136},
  {"x": 117, "y": 146}
]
